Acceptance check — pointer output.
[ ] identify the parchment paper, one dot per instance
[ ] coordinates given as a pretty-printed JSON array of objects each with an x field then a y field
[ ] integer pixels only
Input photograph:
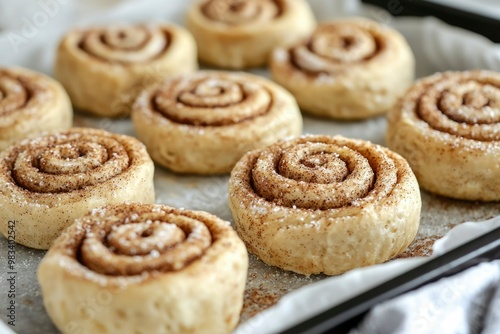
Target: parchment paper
[{"x": 437, "y": 47}]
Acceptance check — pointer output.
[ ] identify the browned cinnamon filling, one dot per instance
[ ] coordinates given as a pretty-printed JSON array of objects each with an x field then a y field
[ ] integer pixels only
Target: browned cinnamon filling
[
  {"x": 126, "y": 44},
  {"x": 210, "y": 100},
  {"x": 323, "y": 173},
  {"x": 67, "y": 162},
  {"x": 335, "y": 45},
  {"x": 462, "y": 104},
  {"x": 138, "y": 239},
  {"x": 241, "y": 12},
  {"x": 17, "y": 91}
]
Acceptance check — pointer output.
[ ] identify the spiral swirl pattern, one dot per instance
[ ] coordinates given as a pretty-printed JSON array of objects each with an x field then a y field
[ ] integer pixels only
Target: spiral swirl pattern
[
  {"x": 13, "y": 94},
  {"x": 20, "y": 92},
  {"x": 321, "y": 204},
  {"x": 332, "y": 46},
  {"x": 211, "y": 99},
  {"x": 126, "y": 44},
  {"x": 241, "y": 12},
  {"x": 206, "y": 121},
  {"x": 51, "y": 180},
  {"x": 135, "y": 239},
  {"x": 68, "y": 161},
  {"x": 323, "y": 173},
  {"x": 463, "y": 104},
  {"x": 140, "y": 257}
]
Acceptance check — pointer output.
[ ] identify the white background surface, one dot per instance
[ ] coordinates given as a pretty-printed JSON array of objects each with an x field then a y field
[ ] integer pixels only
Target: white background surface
[{"x": 32, "y": 28}]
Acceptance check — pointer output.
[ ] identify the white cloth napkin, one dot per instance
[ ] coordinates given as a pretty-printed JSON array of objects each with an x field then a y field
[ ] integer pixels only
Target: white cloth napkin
[
  {"x": 468, "y": 302},
  {"x": 310, "y": 300}
]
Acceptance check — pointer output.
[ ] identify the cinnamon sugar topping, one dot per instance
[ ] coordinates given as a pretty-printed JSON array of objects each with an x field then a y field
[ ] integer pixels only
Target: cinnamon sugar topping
[
  {"x": 21, "y": 95},
  {"x": 211, "y": 99},
  {"x": 464, "y": 104},
  {"x": 135, "y": 239},
  {"x": 125, "y": 44},
  {"x": 320, "y": 172},
  {"x": 67, "y": 161},
  {"x": 333, "y": 45}
]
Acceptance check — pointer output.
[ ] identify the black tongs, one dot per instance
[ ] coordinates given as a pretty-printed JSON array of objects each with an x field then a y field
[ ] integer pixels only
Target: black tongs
[
  {"x": 484, "y": 25},
  {"x": 345, "y": 316}
]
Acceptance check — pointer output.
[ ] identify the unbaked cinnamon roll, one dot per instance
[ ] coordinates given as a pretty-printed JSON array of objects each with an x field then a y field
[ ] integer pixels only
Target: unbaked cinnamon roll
[
  {"x": 30, "y": 103},
  {"x": 103, "y": 68},
  {"x": 320, "y": 204},
  {"x": 242, "y": 33},
  {"x": 142, "y": 268},
  {"x": 204, "y": 122},
  {"x": 448, "y": 128},
  {"x": 347, "y": 69},
  {"x": 49, "y": 181}
]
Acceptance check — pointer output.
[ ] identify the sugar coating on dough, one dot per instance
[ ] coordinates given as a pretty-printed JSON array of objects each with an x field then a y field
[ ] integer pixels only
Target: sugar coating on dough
[
  {"x": 204, "y": 122},
  {"x": 53, "y": 179},
  {"x": 121, "y": 60},
  {"x": 240, "y": 34},
  {"x": 448, "y": 128},
  {"x": 347, "y": 69},
  {"x": 154, "y": 263},
  {"x": 320, "y": 204},
  {"x": 30, "y": 103}
]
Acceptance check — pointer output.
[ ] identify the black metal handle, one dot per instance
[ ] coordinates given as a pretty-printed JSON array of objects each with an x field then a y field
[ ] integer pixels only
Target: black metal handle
[
  {"x": 343, "y": 317},
  {"x": 484, "y": 25}
]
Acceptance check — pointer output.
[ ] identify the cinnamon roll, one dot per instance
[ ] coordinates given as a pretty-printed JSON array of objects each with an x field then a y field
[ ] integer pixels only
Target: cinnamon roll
[
  {"x": 204, "y": 122},
  {"x": 347, "y": 69},
  {"x": 49, "y": 181},
  {"x": 320, "y": 204},
  {"x": 239, "y": 34},
  {"x": 151, "y": 269},
  {"x": 30, "y": 103},
  {"x": 103, "y": 68},
  {"x": 448, "y": 128}
]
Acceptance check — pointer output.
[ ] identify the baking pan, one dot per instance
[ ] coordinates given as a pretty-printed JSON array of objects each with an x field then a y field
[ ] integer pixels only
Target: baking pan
[{"x": 343, "y": 317}]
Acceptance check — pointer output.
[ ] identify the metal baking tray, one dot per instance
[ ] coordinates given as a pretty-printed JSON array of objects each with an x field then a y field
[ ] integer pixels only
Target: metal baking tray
[
  {"x": 343, "y": 317},
  {"x": 265, "y": 285}
]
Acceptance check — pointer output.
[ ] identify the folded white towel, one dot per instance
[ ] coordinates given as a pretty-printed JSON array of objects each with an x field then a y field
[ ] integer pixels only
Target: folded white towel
[
  {"x": 310, "y": 300},
  {"x": 468, "y": 303}
]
